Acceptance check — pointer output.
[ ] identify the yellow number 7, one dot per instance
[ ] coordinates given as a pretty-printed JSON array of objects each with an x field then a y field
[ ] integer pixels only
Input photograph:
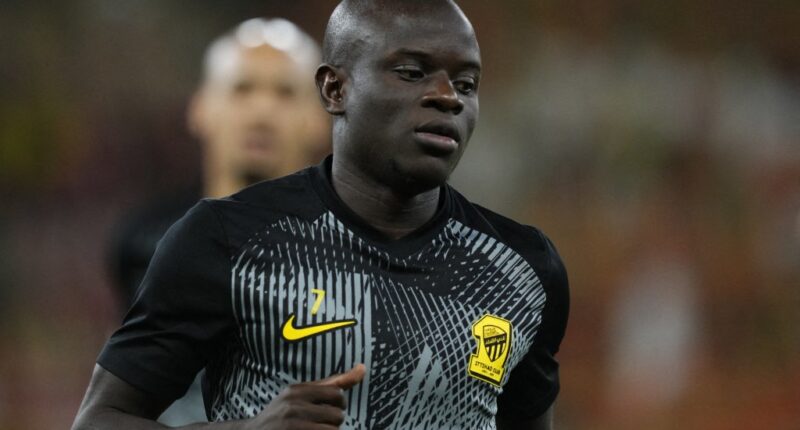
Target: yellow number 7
[{"x": 320, "y": 295}]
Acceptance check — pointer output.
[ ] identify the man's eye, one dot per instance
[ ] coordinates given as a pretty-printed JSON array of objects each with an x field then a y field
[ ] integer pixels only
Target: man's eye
[
  {"x": 465, "y": 86},
  {"x": 409, "y": 73}
]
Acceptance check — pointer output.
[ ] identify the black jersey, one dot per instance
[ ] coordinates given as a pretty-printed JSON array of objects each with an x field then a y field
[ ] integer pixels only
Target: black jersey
[
  {"x": 281, "y": 283},
  {"x": 136, "y": 235}
]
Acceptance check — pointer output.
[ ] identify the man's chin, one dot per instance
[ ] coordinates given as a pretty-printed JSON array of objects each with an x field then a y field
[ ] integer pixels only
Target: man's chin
[{"x": 421, "y": 177}]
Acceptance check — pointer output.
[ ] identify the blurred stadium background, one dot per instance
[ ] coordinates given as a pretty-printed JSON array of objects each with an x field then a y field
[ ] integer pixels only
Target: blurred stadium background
[{"x": 657, "y": 143}]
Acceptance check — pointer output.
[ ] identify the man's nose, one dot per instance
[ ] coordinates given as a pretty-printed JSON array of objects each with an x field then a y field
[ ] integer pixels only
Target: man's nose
[{"x": 442, "y": 95}]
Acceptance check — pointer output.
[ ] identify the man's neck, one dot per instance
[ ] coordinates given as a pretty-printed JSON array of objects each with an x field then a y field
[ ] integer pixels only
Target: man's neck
[{"x": 392, "y": 214}]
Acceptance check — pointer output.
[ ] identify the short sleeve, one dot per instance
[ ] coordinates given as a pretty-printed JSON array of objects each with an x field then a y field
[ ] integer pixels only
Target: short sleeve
[
  {"x": 534, "y": 384},
  {"x": 180, "y": 313}
]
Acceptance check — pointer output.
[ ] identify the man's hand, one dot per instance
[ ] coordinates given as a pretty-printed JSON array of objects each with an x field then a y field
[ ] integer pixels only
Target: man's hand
[{"x": 310, "y": 405}]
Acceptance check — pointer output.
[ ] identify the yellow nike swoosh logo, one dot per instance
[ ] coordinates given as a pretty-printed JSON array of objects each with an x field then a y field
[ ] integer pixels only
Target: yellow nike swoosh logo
[{"x": 292, "y": 333}]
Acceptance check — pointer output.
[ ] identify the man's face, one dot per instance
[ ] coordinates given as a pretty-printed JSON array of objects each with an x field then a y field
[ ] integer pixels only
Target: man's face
[
  {"x": 411, "y": 102},
  {"x": 258, "y": 115}
]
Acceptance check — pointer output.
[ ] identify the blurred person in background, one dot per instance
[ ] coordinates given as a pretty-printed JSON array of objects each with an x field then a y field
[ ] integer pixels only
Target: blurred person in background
[
  {"x": 446, "y": 314},
  {"x": 257, "y": 116}
]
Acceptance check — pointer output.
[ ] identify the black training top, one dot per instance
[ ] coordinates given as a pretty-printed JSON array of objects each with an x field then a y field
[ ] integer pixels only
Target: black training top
[
  {"x": 136, "y": 235},
  {"x": 281, "y": 283}
]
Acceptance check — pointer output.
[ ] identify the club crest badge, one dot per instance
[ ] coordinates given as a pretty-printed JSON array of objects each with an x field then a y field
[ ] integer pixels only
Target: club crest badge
[{"x": 493, "y": 335}]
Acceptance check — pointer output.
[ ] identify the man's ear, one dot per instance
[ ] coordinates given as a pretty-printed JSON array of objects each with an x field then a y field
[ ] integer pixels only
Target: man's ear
[{"x": 330, "y": 83}]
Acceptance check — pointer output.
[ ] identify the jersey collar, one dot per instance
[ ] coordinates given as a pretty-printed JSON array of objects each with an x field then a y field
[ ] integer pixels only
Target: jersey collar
[{"x": 409, "y": 244}]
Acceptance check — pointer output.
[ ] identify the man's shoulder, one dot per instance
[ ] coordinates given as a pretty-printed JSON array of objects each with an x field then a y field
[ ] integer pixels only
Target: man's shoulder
[
  {"x": 269, "y": 201},
  {"x": 263, "y": 193},
  {"x": 136, "y": 234},
  {"x": 164, "y": 208},
  {"x": 523, "y": 238},
  {"x": 530, "y": 242}
]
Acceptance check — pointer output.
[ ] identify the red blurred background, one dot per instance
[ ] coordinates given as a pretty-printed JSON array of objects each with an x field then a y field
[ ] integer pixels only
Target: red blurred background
[{"x": 657, "y": 143}]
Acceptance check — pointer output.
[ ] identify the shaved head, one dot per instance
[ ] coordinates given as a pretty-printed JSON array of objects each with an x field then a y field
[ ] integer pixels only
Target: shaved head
[
  {"x": 400, "y": 78},
  {"x": 355, "y": 24}
]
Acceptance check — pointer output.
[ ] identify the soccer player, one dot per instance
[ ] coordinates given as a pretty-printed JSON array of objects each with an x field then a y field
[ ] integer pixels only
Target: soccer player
[{"x": 363, "y": 293}]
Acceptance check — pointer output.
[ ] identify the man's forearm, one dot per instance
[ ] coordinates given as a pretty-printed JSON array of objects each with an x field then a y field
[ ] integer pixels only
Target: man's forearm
[{"x": 109, "y": 418}]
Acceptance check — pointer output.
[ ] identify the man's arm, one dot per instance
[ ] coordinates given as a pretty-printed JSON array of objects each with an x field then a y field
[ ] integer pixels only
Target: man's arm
[
  {"x": 111, "y": 402},
  {"x": 534, "y": 383},
  {"x": 508, "y": 422}
]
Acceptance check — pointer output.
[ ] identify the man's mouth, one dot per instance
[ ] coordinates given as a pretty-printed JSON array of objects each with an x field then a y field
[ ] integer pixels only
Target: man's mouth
[
  {"x": 437, "y": 138},
  {"x": 440, "y": 130},
  {"x": 442, "y": 137},
  {"x": 259, "y": 142}
]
